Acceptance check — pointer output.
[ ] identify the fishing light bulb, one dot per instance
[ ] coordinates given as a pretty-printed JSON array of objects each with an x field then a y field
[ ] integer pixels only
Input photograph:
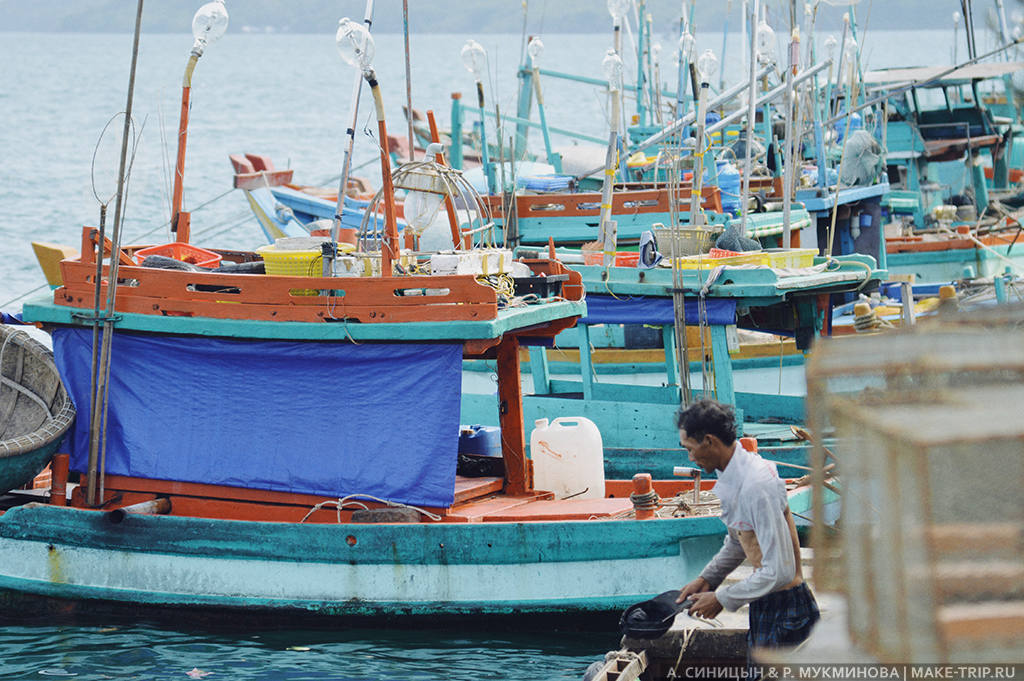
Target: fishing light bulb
[
  {"x": 707, "y": 64},
  {"x": 618, "y": 9},
  {"x": 830, "y": 47},
  {"x": 208, "y": 25},
  {"x": 355, "y": 44},
  {"x": 535, "y": 49},
  {"x": 686, "y": 45},
  {"x": 956, "y": 18},
  {"x": 612, "y": 67},
  {"x": 656, "y": 53},
  {"x": 474, "y": 58},
  {"x": 420, "y": 209},
  {"x": 765, "y": 42}
]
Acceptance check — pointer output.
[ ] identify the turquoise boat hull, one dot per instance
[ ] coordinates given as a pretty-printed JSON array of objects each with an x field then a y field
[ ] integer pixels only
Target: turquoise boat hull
[{"x": 435, "y": 571}]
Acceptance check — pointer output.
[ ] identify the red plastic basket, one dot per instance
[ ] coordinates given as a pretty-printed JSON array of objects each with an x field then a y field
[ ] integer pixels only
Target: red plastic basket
[{"x": 181, "y": 251}]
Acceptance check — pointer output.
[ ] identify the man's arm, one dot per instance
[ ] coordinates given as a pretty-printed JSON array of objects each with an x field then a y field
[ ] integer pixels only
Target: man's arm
[
  {"x": 725, "y": 561},
  {"x": 778, "y": 565}
]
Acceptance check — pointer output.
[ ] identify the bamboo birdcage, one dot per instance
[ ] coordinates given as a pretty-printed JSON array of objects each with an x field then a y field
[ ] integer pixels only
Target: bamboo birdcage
[{"x": 930, "y": 429}]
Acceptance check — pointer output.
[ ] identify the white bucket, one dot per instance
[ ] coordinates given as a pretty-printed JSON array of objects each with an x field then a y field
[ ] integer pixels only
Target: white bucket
[{"x": 568, "y": 458}]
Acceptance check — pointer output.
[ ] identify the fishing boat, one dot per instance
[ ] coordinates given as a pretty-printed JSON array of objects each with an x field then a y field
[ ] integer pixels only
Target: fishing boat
[
  {"x": 957, "y": 153},
  {"x": 287, "y": 444},
  {"x": 35, "y": 409}
]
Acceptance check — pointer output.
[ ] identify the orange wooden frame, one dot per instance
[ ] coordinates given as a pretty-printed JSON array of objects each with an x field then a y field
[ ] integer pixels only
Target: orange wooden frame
[{"x": 260, "y": 297}]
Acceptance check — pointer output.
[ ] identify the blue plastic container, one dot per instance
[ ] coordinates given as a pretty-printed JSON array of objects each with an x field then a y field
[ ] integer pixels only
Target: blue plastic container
[
  {"x": 477, "y": 439},
  {"x": 729, "y": 185}
]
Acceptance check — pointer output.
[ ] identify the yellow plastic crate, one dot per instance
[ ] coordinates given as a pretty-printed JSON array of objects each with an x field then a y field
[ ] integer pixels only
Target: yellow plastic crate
[{"x": 776, "y": 258}]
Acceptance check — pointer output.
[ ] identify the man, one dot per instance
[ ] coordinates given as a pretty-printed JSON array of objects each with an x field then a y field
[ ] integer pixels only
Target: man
[{"x": 760, "y": 529}]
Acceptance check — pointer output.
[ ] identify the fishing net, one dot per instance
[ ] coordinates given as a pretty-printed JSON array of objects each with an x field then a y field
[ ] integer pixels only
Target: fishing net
[{"x": 864, "y": 160}]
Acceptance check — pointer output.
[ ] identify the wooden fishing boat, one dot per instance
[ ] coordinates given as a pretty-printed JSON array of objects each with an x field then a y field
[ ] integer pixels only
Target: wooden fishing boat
[
  {"x": 35, "y": 409},
  {"x": 340, "y": 503}
]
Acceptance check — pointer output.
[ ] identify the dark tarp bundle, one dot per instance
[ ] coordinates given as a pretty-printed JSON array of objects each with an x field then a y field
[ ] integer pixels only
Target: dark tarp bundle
[
  {"x": 603, "y": 309},
  {"x": 321, "y": 418}
]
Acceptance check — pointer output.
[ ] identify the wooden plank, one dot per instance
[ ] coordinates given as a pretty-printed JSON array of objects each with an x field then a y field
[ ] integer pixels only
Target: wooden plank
[
  {"x": 510, "y": 415},
  {"x": 982, "y": 624},
  {"x": 467, "y": 489},
  {"x": 563, "y": 509},
  {"x": 622, "y": 665},
  {"x": 975, "y": 537}
]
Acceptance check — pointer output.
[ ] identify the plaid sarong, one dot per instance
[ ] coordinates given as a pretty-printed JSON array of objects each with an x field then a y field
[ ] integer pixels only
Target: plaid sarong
[{"x": 782, "y": 618}]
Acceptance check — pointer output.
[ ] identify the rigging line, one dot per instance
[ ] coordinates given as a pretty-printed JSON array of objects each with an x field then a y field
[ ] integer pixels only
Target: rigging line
[
  {"x": 24, "y": 295},
  {"x": 165, "y": 167}
]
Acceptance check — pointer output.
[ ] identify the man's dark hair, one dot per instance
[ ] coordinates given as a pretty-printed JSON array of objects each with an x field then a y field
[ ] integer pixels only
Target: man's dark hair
[{"x": 708, "y": 417}]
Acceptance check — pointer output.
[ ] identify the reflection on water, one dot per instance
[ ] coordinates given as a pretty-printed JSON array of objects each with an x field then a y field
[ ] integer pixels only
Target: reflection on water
[{"x": 154, "y": 652}]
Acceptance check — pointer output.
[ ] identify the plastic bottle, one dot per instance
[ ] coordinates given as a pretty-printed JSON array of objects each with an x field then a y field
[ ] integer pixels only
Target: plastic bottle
[
  {"x": 568, "y": 458},
  {"x": 729, "y": 184}
]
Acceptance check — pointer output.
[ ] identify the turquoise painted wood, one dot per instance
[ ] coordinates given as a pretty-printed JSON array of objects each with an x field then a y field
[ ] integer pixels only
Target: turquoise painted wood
[
  {"x": 44, "y": 310},
  {"x": 952, "y": 264},
  {"x": 360, "y": 570}
]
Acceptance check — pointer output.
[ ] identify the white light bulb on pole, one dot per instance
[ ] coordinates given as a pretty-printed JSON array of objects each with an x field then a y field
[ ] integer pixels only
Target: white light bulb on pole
[
  {"x": 355, "y": 45},
  {"x": 208, "y": 25}
]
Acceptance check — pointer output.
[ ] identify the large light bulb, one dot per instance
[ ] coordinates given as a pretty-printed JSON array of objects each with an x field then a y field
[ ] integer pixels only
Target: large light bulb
[
  {"x": 420, "y": 209},
  {"x": 707, "y": 64},
  {"x": 474, "y": 58},
  {"x": 830, "y": 46},
  {"x": 618, "y": 9},
  {"x": 612, "y": 67},
  {"x": 209, "y": 24},
  {"x": 765, "y": 42},
  {"x": 535, "y": 49},
  {"x": 656, "y": 53},
  {"x": 686, "y": 45},
  {"x": 355, "y": 44}
]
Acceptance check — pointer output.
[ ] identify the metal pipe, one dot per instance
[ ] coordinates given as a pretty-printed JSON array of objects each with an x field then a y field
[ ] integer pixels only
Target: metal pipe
[
  {"x": 346, "y": 159},
  {"x": 158, "y": 506},
  {"x": 683, "y": 121},
  {"x": 771, "y": 94},
  {"x": 179, "y": 166},
  {"x": 390, "y": 250},
  {"x": 408, "y": 76},
  {"x": 98, "y": 417},
  {"x": 751, "y": 113},
  {"x": 787, "y": 178}
]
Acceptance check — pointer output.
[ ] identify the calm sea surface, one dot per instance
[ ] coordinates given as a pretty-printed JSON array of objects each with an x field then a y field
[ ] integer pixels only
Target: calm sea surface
[{"x": 286, "y": 96}]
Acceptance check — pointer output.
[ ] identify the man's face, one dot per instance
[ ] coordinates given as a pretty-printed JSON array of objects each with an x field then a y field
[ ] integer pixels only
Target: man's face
[{"x": 702, "y": 452}]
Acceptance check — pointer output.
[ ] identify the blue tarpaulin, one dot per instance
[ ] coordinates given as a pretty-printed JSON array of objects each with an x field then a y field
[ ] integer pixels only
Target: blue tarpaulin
[
  {"x": 603, "y": 309},
  {"x": 329, "y": 419}
]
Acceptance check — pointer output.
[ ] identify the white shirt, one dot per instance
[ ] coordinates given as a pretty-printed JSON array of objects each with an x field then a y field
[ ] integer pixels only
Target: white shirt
[{"x": 753, "y": 500}]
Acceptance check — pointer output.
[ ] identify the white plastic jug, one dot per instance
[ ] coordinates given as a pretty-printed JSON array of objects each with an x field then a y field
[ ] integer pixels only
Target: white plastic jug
[{"x": 568, "y": 457}]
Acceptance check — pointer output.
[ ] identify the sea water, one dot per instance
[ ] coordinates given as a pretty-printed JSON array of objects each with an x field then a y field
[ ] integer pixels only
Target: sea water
[{"x": 288, "y": 97}]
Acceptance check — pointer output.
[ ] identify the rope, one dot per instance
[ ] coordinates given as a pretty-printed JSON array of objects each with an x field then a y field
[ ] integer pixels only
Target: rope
[
  {"x": 351, "y": 499},
  {"x": 645, "y": 502}
]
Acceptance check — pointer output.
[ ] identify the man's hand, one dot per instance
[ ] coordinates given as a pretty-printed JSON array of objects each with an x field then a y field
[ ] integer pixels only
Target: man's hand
[
  {"x": 698, "y": 585},
  {"x": 706, "y": 605}
]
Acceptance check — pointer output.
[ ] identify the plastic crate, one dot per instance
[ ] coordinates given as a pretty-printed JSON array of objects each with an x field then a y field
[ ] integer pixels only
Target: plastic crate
[
  {"x": 778, "y": 258},
  {"x": 688, "y": 240},
  {"x": 293, "y": 263},
  {"x": 181, "y": 251}
]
